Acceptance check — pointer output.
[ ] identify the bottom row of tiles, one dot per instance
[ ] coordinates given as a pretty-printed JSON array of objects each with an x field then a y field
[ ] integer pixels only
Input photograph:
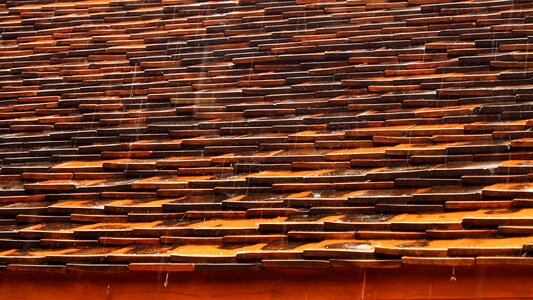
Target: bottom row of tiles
[{"x": 278, "y": 263}]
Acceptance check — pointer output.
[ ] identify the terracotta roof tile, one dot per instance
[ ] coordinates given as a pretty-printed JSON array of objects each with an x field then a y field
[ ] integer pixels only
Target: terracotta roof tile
[{"x": 247, "y": 135}]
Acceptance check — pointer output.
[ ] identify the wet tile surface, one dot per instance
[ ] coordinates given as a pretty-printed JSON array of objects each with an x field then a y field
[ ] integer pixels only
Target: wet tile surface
[{"x": 252, "y": 134}]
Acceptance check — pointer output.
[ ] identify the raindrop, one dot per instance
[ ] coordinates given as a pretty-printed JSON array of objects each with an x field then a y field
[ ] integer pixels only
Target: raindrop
[
  {"x": 453, "y": 278},
  {"x": 165, "y": 284},
  {"x": 364, "y": 285}
]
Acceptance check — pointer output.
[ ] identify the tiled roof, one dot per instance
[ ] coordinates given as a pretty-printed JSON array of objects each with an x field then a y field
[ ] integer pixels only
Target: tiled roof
[{"x": 184, "y": 135}]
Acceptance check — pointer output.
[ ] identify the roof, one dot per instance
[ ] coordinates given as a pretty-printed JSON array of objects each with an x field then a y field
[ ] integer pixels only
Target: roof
[{"x": 244, "y": 135}]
